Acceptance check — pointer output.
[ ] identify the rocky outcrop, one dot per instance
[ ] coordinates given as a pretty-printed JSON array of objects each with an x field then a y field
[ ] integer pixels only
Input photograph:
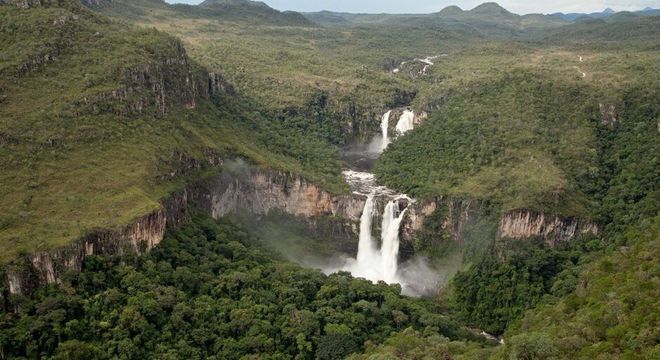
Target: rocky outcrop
[
  {"x": 138, "y": 238},
  {"x": 172, "y": 81},
  {"x": 517, "y": 224},
  {"x": 525, "y": 224},
  {"x": 253, "y": 191},
  {"x": 260, "y": 192},
  {"x": 455, "y": 215},
  {"x": 608, "y": 115}
]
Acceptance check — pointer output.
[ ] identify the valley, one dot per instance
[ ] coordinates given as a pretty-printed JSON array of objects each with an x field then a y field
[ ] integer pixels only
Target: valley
[{"x": 231, "y": 181}]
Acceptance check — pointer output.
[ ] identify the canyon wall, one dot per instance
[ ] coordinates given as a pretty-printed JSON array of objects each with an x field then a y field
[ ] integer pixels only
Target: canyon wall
[
  {"x": 260, "y": 192},
  {"x": 516, "y": 225},
  {"x": 255, "y": 191},
  {"x": 553, "y": 229}
]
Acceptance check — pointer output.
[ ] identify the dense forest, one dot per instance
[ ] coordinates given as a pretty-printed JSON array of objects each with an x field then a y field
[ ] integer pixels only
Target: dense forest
[
  {"x": 117, "y": 111},
  {"x": 208, "y": 293}
]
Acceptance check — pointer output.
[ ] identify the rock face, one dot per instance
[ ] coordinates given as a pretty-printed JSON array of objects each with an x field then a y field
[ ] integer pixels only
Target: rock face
[
  {"x": 260, "y": 192},
  {"x": 171, "y": 82},
  {"x": 140, "y": 237},
  {"x": 524, "y": 224},
  {"x": 608, "y": 115},
  {"x": 517, "y": 224},
  {"x": 457, "y": 213},
  {"x": 256, "y": 192}
]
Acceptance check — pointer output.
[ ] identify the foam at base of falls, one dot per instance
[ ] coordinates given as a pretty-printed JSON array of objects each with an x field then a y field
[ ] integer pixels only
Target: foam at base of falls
[{"x": 372, "y": 264}]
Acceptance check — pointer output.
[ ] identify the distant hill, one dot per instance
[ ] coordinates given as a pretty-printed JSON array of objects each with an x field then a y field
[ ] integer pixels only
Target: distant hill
[
  {"x": 253, "y": 10},
  {"x": 622, "y": 29},
  {"x": 605, "y": 14},
  {"x": 487, "y": 19},
  {"x": 231, "y": 10}
]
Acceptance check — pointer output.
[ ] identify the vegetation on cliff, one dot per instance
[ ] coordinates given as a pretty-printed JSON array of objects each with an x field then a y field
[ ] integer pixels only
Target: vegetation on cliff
[
  {"x": 102, "y": 117},
  {"x": 101, "y": 120},
  {"x": 207, "y": 292}
]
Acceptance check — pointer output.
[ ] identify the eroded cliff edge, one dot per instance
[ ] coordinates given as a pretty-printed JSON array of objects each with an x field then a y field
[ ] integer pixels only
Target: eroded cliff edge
[
  {"x": 259, "y": 192},
  {"x": 253, "y": 191},
  {"x": 454, "y": 215}
]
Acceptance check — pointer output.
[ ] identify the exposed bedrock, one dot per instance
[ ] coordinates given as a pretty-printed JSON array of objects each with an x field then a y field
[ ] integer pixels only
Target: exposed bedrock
[{"x": 257, "y": 192}]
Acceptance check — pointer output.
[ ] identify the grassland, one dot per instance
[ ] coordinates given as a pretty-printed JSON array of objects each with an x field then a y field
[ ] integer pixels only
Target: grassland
[
  {"x": 67, "y": 173},
  {"x": 68, "y": 168}
]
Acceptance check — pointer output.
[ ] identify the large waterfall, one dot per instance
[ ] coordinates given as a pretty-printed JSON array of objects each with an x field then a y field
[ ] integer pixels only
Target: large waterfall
[
  {"x": 390, "y": 239},
  {"x": 406, "y": 122},
  {"x": 378, "y": 256},
  {"x": 371, "y": 263},
  {"x": 366, "y": 248},
  {"x": 385, "y": 127}
]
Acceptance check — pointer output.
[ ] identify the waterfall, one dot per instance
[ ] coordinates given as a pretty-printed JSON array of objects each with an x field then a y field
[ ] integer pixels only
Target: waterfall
[
  {"x": 366, "y": 250},
  {"x": 385, "y": 125},
  {"x": 405, "y": 123},
  {"x": 371, "y": 263},
  {"x": 390, "y": 237}
]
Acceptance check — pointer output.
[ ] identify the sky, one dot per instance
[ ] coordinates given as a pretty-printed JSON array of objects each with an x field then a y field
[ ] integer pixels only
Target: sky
[{"x": 427, "y": 6}]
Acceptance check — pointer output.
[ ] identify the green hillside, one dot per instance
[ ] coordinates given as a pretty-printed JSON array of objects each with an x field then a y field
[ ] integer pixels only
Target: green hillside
[
  {"x": 95, "y": 115},
  {"x": 109, "y": 106},
  {"x": 487, "y": 19},
  {"x": 206, "y": 292}
]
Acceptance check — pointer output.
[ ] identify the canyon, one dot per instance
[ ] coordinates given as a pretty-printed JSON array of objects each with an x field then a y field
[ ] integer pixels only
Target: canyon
[{"x": 248, "y": 189}]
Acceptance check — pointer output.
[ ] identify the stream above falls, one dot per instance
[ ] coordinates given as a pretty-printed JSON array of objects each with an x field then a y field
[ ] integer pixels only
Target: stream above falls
[{"x": 377, "y": 258}]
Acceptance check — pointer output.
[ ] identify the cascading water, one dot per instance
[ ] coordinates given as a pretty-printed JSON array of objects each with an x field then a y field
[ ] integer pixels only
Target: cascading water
[
  {"x": 366, "y": 248},
  {"x": 406, "y": 122},
  {"x": 390, "y": 237},
  {"x": 373, "y": 264},
  {"x": 385, "y": 127}
]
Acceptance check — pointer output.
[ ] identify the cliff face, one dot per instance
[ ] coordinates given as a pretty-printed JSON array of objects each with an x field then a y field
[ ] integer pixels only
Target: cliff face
[
  {"x": 140, "y": 237},
  {"x": 456, "y": 213},
  {"x": 523, "y": 224},
  {"x": 171, "y": 81},
  {"x": 518, "y": 224},
  {"x": 261, "y": 192},
  {"x": 256, "y": 192}
]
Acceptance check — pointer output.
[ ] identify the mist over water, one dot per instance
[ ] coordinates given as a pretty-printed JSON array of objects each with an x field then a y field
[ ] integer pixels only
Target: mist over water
[
  {"x": 374, "y": 262},
  {"x": 377, "y": 257}
]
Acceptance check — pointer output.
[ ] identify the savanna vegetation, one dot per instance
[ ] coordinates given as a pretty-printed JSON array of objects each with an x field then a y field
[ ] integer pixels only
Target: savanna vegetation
[
  {"x": 524, "y": 112},
  {"x": 75, "y": 157}
]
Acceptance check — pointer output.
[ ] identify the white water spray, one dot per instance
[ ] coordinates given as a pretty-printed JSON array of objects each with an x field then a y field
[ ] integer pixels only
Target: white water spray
[
  {"x": 406, "y": 122},
  {"x": 366, "y": 248},
  {"x": 390, "y": 237},
  {"x": 385, "y": 127},
  {"x": 378, "y": 264}
]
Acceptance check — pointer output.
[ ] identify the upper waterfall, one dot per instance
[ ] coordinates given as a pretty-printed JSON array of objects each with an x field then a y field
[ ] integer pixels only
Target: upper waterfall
[
  {"x": 406, "y": 122},
  {"x": 385, "y": 128}
]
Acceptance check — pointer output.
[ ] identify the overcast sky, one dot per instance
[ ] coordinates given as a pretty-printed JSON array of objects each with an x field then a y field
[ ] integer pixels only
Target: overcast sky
[{"x": 426, "y": 6}]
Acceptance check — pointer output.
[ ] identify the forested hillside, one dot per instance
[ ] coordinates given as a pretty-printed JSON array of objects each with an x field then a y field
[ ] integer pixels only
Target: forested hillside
[
  {"x": 508, "y": 164},
  {"x": 207, "y": 293},
  {"x": 100, "y": 121}
]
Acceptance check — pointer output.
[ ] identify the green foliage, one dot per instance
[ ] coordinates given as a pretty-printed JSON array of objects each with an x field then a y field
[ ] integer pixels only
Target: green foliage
[
  {"x": 205, "y": 293},
  {"x": 630, "y": 160},
  {"x": 613, "y": 311},
  {"x": 413, "y": 345},
  {"x": 86, "y": 141},
  {"x": 532, "y": 346},
  {"x": 522, "y": 141},
  {"x": 499, "y": 287}
]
